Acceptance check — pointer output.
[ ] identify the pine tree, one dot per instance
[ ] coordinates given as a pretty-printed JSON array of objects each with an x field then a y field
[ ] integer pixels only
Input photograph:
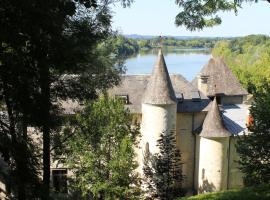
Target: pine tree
[
  {"x": 162, "y": 171},
  {"x": 254, "y": 147}
]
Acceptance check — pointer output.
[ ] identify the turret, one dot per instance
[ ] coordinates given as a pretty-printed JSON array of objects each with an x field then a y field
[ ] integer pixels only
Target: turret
[
  {"x": 158, "y": 108},
  {"x": 214, "y": 152}
]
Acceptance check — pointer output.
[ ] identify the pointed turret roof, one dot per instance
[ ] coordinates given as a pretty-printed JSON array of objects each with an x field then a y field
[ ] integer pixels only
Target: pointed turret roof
[
  {"x": 159, "y": 89},
  {"x": 221, "y": 80},
  {"x": 213, "y": 126}
]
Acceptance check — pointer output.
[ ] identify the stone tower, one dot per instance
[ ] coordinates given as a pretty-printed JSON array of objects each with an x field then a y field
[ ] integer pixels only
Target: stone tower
[
  {"x": 214, "y": 150},
  {"x": 158, "y": 108}
]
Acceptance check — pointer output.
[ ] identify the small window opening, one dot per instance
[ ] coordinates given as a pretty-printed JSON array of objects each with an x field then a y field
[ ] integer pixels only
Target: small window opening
[{"x": 123, "y": 97}]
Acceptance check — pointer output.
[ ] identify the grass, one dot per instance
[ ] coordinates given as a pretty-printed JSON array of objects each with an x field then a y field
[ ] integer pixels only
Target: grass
[{"x": 261, "y": 192}]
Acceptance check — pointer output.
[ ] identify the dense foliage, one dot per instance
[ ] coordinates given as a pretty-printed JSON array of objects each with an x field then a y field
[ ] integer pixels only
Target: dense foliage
[
  {"x": 249, "y": 59},
  {"x": 254, "y": 147},
  {"x": 162, "y": 171},
  {"x": 198, "y": 14},
  {"x": 123, "y": 46},
  {"x": 259, "y": 192},
  {"x": 48, "y": 52},
  {"x": 101, "y": 152}
]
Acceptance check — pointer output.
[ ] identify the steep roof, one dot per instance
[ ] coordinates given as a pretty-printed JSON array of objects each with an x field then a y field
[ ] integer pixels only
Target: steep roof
[
  {"x": 213, "y": 125},
  {"x": 159, "y": 89},
  {"x": 135, "y": 85},
  {"x": 221, "y": 80}
]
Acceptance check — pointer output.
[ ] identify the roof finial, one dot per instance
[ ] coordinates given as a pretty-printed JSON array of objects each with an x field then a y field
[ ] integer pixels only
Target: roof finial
[{"x": 160, "y": 41}]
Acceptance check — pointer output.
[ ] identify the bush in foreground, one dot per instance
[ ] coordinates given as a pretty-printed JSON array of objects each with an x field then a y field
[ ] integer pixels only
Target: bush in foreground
[{"x": 261, "y": 192}]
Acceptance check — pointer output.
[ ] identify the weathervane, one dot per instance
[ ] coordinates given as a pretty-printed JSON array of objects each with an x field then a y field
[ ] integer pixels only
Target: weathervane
[{"x": 160, "y": 41}]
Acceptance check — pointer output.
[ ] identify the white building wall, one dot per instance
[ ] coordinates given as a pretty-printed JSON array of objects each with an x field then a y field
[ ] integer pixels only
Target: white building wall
[
  {"x": 156, "y": 119},
  {"x": 213, "y": 164}
]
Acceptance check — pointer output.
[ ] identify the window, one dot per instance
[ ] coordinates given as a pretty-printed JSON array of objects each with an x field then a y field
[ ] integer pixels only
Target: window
[
  {"x": 59, "y": 178},
  {"x": 123, "y": 97}
]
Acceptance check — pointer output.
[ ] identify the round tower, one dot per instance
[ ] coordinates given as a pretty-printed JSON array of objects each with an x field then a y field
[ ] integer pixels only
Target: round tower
[
  {"x": 158, "y": 108},
  {"x": 214, "y": 150}
]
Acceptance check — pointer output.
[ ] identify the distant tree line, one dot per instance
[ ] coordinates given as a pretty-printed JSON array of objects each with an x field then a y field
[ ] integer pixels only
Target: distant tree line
[
  {"x": 127, "y": 46},
  {"x": 207, "y": 43}
]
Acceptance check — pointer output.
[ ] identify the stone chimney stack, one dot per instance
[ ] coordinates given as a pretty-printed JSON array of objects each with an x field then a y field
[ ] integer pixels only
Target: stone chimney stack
[{"x": 203, "y": 83}]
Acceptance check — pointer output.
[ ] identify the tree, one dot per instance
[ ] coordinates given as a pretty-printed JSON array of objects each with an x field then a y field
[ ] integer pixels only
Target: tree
[
  {"x": 249, "y": 67},
  {"x": 50, "y": 47},
  {"x": 198, "y": 14},
  {"x": 101, "y": 152},
  {"x": 162, "y": 171},
  {"x": 16, "y": 146},
  {"x": 254, "y": 147}
]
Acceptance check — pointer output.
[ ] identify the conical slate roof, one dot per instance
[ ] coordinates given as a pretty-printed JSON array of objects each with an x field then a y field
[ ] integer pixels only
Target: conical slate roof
[
  {"x": 213, "y": 126},
  {"x": 159, "y": 89},
  {"x": 221, "y": 80}
]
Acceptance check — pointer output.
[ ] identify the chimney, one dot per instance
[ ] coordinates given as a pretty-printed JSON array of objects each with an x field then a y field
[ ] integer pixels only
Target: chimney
[{"x": 203, "y": 83}]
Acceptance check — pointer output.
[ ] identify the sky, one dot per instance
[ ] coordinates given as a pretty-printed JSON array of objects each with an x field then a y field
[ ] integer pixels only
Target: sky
[{"x": 156, "y": 17}]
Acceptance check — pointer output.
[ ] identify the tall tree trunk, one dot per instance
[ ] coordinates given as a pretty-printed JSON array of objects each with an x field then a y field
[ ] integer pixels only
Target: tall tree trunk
[
  {"x": 12, "y": 132},
  {"x": 45, "y": 93}
]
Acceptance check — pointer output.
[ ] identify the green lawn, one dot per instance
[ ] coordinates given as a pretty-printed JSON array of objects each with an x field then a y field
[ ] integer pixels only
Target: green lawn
[{"x": 250, "y": 193}]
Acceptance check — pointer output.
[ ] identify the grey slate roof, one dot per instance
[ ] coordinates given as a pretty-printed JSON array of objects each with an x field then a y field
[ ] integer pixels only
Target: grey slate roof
[
  {"x": 221, "y": 79},
  {"x": 159, "y": 88},
  {"x": 213, "y": 124},
  {"x": 135, "y": 85},
  {"x": 234, "y": 118}
]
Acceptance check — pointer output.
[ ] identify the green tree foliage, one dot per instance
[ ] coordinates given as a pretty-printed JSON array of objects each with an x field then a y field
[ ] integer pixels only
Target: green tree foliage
[
  {"x": 198, "y": 14},
  {"x": 249, "y": 59},
  {"x": 162, "y": 171},
  {"x": 49, "y": 53},
  {"x": 254, "y": 147},
  {"x": 101, "y": 152},
  {"x": 145, "y": 44},
  {"x": 123, "y": 46}
]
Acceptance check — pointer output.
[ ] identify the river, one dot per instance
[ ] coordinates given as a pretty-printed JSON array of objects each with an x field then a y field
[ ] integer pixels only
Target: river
[{"x": 187, "y": 62}]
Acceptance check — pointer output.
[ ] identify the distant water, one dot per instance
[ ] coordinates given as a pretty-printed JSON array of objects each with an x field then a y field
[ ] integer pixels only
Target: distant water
[{"x": 187, "y": 62}]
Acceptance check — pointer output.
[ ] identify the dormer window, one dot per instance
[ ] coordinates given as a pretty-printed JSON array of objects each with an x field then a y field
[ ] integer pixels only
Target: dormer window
[
  {"x": 195, "y": 95},
  {"x": 123, "y": 97}
]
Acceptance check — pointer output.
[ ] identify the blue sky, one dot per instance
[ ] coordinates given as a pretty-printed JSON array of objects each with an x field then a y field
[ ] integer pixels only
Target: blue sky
[{"x": 156, "y": 17}]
